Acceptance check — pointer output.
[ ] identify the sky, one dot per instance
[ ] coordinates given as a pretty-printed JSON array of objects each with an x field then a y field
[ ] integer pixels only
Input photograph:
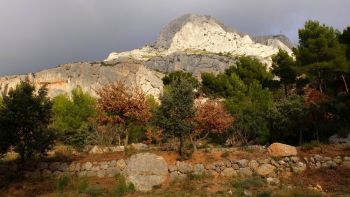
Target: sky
[{"x": 40, "y": 34}]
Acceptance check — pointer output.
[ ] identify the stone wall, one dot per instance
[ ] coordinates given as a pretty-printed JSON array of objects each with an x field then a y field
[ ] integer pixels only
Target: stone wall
[{"x": 269, "y": 167}]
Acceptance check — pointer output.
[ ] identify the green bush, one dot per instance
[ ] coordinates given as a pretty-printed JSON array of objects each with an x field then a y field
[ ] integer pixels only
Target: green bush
[
  {"x": 71, "y": 117},
  {"x": 122, "y": 187},
  {"x": 137, "y": 133},
  {"x": 83, "y": 186},
  {"x": 254, "y": 181},
  {"x": 94, "y": 191},
  {"x": 61, "y": 183}
]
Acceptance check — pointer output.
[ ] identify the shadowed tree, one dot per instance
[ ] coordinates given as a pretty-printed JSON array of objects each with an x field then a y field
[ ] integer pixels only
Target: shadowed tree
[
  {"x": 24, "y": 119},
  {"x": 320, "y": 55}
]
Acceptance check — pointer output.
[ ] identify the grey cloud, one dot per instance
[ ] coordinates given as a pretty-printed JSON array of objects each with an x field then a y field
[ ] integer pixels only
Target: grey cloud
[{"x": 39, "y": 34}]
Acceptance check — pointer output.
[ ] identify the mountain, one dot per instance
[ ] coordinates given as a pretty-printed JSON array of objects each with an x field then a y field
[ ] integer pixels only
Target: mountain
[{"x": 192, "y": 43}]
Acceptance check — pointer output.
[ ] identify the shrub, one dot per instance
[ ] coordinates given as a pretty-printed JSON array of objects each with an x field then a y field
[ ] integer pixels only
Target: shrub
[
  {"x": 83, "y": 186},
  {"x": 248, "y": 183},
  {"x": 122, "y": 186},
  {"x": 61, "y": 183},
  {"x": 94, "y": 191}
]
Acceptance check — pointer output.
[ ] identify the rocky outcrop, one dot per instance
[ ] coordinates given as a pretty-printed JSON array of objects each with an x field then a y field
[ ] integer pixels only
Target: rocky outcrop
[
  {"x": 267, "y": 39},
  {"x": 281, "y": 150},
  {"x": 90, "y": 77},
  {"x": 146, "y": 170},
  {"x": 197, "y": 62},
  {"x": 336, "y": 139},
  {"x": 203, "y": 33}
]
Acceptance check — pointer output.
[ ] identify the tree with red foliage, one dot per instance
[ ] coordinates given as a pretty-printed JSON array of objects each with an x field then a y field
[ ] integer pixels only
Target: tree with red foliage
[
  {"x": 120, "y": 106},
  {"x": 210, "y": 117}
]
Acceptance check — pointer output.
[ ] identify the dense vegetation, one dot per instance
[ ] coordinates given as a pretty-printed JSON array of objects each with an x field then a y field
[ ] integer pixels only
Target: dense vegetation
[{"x": 299, "y": 99}]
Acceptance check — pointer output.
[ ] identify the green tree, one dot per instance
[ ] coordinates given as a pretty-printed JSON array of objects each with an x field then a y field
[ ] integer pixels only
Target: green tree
[
  {"x": 288, "y": 120},
  {"x": 24, "y": 119},
  {"x": 320, "y": 54},
  {"x": 180, "y": 75},
  {"x": 344, "y": 38},
  {"x": 249, "y": 69},
  {"x": 176, "y": 111},
  {"x": 250, "y": 112},
  {"x": 71, "y": 115},
  {"x": 283, "y": 67}
]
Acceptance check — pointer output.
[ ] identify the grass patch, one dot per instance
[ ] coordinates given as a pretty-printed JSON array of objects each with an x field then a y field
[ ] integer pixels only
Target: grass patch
[
  {"x": 248, "y": 183},
  {"x": 94, "y": 191},
  {"x": 297, "y": 192},
  {"x": 197, "y": 177},
  {"x": 311, "y": 145},
  {"x": 254, "y": 181}
]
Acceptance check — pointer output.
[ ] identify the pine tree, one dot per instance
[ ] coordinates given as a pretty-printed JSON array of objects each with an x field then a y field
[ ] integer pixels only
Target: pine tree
[{"x": 283, "y": 67}]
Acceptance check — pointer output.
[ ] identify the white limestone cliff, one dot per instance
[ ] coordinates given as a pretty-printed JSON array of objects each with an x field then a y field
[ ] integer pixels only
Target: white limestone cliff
[{"x": 195, "y": 32}]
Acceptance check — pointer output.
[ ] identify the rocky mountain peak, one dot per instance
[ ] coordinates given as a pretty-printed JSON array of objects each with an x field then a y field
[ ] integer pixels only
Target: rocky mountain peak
[{"x": 202, "y": 22}]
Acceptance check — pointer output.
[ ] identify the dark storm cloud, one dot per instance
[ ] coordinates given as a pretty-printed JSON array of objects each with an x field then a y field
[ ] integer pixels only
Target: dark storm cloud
[{"x": 39, "y": 34}]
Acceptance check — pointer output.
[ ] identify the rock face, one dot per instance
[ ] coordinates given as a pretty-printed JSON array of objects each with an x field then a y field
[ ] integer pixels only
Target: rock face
[
  {"x": 271, "y": 39},
  {"x": 281, "y": 150},
  {"x": 146, "y": 170},
  {"x": 196, "y": 62},
  {"x": 90, "y": 77}
]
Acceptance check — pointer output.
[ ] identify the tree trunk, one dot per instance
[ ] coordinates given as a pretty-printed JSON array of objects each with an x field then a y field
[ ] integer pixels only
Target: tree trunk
[
  {"x": 285, "y": 90},
  {"x": 181, "y": 146},
  {"x": 319, "y": 82},
  {"x": 119, "y": 141},
  {"x": 345, "y": 84},
  {"x": 126, "y": 138},
  {"x": 300, "y": 137},
  {"x": 193, "y": 143}
]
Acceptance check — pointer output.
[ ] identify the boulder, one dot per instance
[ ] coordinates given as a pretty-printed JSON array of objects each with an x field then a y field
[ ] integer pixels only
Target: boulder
[
  {"x": 229, "y": 172},
  {"x": 116, "y": 148},
  {"x": 265, "y": 169},
  {"x": 281, "y": 150},
  {"x": 245, "y": 172},
  {"x": 121, "y": 164},
  {"x": 199, "y": 169},
  {"x": 253, "y": 164},
  {"x": 96, "y": 150},
  {"x": 184, "y": 167},
  {"x": 146, "y": 170},
  {"x": 139, "y": 146}
]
